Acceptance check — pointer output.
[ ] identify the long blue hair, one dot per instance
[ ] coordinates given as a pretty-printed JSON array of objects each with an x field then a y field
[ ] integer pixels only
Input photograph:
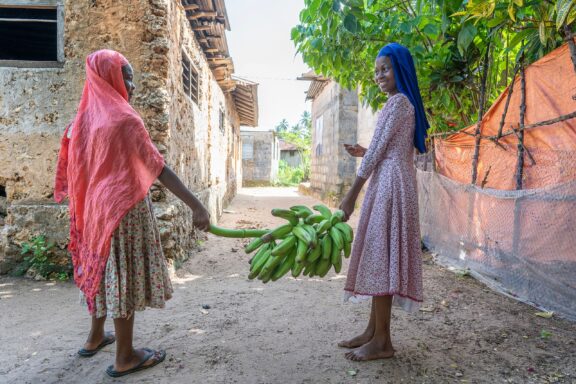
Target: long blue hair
[{"x": 407, "y": 83}]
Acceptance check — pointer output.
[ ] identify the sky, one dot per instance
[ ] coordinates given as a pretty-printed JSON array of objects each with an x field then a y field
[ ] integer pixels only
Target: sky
[{"x": 261, "y": 49}]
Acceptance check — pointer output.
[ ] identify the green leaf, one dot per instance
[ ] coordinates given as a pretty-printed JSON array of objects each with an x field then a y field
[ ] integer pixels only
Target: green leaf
[
  {"x": 571, "y": 17},
  {"x": 512, "y": 12},
  {"x": 542, "y": 32},
  {"x": 336, "y": 5},
  {"x": 563, "y": 8},
  {"x": 316, "y": 43},
  {"x": 466, "y": 36},
  {"x": 351, "y": 23},
  {"x": 519, "y": 3},
  {"x": 294, "y": 33}
]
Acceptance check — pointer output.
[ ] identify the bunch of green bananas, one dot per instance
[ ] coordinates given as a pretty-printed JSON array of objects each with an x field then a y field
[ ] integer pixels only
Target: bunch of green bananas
[{"x": 310, "y": 243}]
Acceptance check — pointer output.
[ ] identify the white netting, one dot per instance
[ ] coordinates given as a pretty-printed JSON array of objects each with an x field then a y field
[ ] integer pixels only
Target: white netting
[{"x": 521, "y": 243}]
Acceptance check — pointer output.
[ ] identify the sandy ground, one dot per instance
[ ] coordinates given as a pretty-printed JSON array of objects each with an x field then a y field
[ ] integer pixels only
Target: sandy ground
[{"x": 286, "y": 331}]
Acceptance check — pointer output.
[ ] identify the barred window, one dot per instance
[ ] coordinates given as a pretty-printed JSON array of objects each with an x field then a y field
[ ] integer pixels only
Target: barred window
[
  {"x": 32, "y": 33},
  {"x": 222, "y": 120},
  {"x": 189, "y": 79}
]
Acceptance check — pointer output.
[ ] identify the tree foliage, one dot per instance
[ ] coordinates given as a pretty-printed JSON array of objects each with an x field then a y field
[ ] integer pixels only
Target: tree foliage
[
  {"x": 299, "y": 135},
  {"x": 447, "y": 38}
]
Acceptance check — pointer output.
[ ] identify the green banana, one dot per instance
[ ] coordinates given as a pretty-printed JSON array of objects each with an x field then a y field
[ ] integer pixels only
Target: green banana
[
  {"x": 285, "y": 266},
  {"x": 313, "y": 236},
  {"x": 297, "y": 269},
  {"x": 286, "y": 214},
  {"x": 258, "y": 255},
  {"x": 315, "y": 218},
  {"x": 323, "y": 267},
  {"x": 324, "y": 210},
  {"x": 284, "y": 246},
  {"x": 314, "y": 254},
  {"x": 270, "y": 265},
  {"x": 338, "y": 264},
  {"x": 346, "y": 230},
  {"x": 308, "y": 269},
  {"x": 337, "y": 238},
  {"x": 323, "y": 226},
  {"x": 254, "y": 245},
  {"x": 337, "y": 217},
  {"x": 326, "y": 247},
  {"x": 301, "y": 252},
  {"x": 257, "y": 268},
  {"x": 281, "y": 231},
  {"x": 301, "y": 211},
  {"x": 302, "y": 235},
  {"x": 335, "y": 255},
  {"x": 347, "y": 249}
]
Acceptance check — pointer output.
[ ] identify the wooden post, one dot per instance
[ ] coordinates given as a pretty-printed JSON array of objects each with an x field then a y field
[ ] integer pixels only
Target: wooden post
[
  {"x": 520, "y": 161},
  {"x": 480, "y": 115},
  {"x": 517, "y": 230},
  {"x": 508, "y": 97}
]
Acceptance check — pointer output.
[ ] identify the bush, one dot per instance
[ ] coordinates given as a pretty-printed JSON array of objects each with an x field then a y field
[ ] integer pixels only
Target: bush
[
  {"x": 289, "y": 176},
  {"x": 39, "y": 258}
]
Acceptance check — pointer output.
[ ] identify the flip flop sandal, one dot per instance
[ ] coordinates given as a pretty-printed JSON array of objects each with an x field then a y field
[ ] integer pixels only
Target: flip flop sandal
[
  {"x": 108, "y": 339},
  {"x": 158, "y": 357}
]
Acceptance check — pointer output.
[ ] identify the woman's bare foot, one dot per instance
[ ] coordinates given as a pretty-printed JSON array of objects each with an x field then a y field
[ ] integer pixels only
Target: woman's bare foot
[
  {"x": 373, "y": 350},
  {"x": 357, "y": 341}
]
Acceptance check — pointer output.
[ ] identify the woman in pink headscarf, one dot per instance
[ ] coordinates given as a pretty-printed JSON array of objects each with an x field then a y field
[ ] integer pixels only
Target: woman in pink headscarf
[{"x": 106, "y": 165}]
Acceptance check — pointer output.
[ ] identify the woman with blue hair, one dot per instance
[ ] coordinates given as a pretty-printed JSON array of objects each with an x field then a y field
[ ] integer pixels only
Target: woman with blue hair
[{"x": 386, "y": 263}]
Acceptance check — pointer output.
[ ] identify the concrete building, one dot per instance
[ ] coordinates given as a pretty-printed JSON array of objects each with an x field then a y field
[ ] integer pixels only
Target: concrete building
[
  {"x": 334, "y": 123},
  {"x": 289, "y": 154},
  {"x": 190, "y": 103},
  {"x": 260, "y": 156}
]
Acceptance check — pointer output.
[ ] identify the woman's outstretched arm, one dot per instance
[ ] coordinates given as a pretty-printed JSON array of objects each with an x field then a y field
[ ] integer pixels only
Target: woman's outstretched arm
[{"x": 201, "y": 216}]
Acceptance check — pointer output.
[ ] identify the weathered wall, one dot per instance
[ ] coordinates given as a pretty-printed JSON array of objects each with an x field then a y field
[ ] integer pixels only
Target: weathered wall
[
  {"x": 291, "y": 157},
  {"x": 260, "y": 155},
  {"x": 205, "y": 158},
  {"x": 36, "y": 104},
  {"x": 332, "y": 169}
]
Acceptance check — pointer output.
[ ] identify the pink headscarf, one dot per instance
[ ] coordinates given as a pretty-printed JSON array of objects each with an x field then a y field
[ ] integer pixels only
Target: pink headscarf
[{"x": 106, "y": 167}]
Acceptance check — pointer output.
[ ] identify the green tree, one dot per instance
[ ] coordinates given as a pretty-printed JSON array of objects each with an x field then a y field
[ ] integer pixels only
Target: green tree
[
  {"x": 447, "y": 38},
  {"x": 282, "y": 126},
  {"x": 300, "y": 135}
]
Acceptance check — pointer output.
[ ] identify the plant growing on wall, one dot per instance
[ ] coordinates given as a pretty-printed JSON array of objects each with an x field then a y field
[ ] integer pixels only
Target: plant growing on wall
[
  {"x": 448, "y": 39},
  {"x": 39, "y": 258}
]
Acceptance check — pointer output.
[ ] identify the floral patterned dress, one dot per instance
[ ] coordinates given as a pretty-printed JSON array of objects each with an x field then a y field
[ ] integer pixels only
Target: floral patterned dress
[
  {"x": 136, "y": 274},
  {"x": 386, "y": 254}
]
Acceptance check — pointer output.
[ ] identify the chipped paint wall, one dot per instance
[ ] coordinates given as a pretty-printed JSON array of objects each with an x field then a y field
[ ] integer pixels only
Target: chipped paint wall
[{"x": 37, "y": 103}]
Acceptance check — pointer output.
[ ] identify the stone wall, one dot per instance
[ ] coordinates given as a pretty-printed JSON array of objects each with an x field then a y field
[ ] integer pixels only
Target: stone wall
[
  {"x": 260, "y": 156},
  {"x": 36, "y": 104},
  {"x": 334, "y": 123}
]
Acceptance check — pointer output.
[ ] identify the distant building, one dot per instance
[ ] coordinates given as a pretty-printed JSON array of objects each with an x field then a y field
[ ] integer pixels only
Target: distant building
[
  {"x": 290, "y": 154},
  {"x": 260, "y": 157},
  {"x": 338, "y": 118},
  {"x": 334, "y": 123}
]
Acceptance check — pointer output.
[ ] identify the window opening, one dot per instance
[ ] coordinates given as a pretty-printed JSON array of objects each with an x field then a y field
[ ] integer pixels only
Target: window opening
[{"x": 189, "y": 78}]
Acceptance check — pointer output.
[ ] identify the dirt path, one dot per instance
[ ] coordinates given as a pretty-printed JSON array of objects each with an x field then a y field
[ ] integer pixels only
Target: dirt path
[{"x": 285, "y": 332}]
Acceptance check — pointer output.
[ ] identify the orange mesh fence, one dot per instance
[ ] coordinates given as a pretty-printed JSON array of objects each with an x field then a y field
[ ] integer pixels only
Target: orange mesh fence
[
  {"x": 550, "y": 93},
  {"x": 520, "y": 242}
]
